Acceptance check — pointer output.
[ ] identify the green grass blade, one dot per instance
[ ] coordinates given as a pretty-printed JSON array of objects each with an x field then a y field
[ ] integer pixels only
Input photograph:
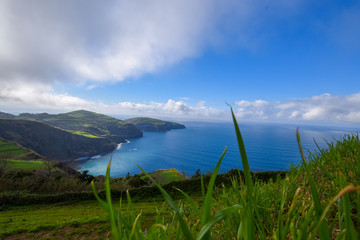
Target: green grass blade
[
  {"x": 202, "y": 187},
  {"x": 114, "y": 229},
  {"x": 185, "y": 229},
  {"x": 210, "y": 189},
  {"x": 247, "y": 225},
  {"x": 102, "y": 202},
  {"x": 323, "y": 229},
  {"x": 244, "y": 159},
  {"x": 281, "y": 234},
  {"x": 217, "y": 217}
]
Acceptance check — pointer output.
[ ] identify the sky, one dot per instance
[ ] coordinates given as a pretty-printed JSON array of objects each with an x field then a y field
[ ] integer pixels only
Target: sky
[{"x": 272, "y": 61}]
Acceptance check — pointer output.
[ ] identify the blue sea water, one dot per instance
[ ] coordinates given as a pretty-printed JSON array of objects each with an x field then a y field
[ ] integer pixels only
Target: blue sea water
[{"x": 200, "y": 145}]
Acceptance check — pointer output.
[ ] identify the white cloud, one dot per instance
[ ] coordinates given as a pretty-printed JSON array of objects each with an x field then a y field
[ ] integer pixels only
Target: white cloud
[
  {"x": 43, "y": 99},
  {"x": 49, "y": 41},
  {"x": 322, "y": 108}
]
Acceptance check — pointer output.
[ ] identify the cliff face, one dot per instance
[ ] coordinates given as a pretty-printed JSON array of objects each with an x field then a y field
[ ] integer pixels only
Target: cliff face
[
  {"x": 154, "y": 125},
  {"x": 51, "y": 142}
]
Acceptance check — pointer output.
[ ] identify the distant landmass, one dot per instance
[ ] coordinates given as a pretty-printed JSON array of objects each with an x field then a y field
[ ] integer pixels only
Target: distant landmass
[
  {"x": 88, "y": 124},
  {"x": 68, "y": 136},
  {"x": 152, "y": 124}
]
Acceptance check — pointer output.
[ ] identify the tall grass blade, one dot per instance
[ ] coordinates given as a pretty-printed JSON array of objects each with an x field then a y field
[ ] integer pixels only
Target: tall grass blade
[
  {"x": 323, "y": 229},
  {"x": 114, "y": 229},
  {"x": 184, "y": 227},
  {"x": 244, "y": 159},
  {"x": 210, "y": 189},
  {"x": 247, "y": 226},
  {"x": 208, "y": 197}
]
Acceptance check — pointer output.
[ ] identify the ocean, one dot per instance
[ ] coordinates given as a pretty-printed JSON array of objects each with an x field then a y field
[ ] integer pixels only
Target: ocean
[{"x": 200, "y": 145}]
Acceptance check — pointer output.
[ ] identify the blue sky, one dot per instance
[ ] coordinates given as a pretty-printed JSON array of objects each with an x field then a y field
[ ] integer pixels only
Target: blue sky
[{"x": 286, "y": 61}]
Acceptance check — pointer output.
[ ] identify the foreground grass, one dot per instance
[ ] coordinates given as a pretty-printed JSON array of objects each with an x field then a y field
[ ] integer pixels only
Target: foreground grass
[
  {"x": 28, "y": 220},
  {"x": 319, "y": 199}
]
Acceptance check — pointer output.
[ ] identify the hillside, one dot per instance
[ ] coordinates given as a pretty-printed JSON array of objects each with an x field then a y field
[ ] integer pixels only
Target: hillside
[
  {"x": 52, "y": 142},
  {"x": 6, "y": 115},
  {"x": 88, "y": 124},
  {"x": 152, "y": 124},
  {"x": 11, "y": 150}
]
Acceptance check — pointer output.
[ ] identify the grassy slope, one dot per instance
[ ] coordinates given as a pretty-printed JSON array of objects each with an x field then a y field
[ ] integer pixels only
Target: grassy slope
[
  {"x": 10, "y": 150},
  {"x": 87, "y": 123},
  {"x": 52, "y": 142},
  {"x": 26, "y": 164},
  {"x": 138, "y": 120},
  {"x": 165, "y": 176},
  {"x": 152, "y": 124},
  {"x": 54, "y": 218}
]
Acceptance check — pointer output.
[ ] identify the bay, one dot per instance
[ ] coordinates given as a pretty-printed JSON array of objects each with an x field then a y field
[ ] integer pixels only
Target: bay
[{"x": 200, "y": 145}]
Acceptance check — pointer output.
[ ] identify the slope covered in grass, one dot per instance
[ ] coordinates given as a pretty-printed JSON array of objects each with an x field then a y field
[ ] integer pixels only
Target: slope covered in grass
[
  {"x": 88, "y": 124},
  {"x": 152, "y": 124},
  {"x": 11, "y": 150},
  {"x": 26, "y": 164},
  {"x": 52, "y": 142}
]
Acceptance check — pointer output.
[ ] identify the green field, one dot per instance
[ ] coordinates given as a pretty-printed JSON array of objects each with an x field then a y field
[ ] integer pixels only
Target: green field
[
  {"x": 11, "y": 150},
  {"x": 25, "y": 164},
  {"x": 165, "y": 176},
  {"x": 71, "y": 220},
  {"x": 85, "y": 134}
]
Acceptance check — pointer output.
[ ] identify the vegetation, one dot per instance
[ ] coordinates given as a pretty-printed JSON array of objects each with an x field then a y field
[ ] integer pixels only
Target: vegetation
[
  {"x": 152, "y": 124},
  {"x": 62, "y": 221},
  {"x": 11, "y": 150},
  {"x": 85, "y": 123},
  {"x": 26, "y": 164},
  {"x": 52, "y": 142},
  {"x": 320, "y": 198},
  {"x": 165, "y": 176}
]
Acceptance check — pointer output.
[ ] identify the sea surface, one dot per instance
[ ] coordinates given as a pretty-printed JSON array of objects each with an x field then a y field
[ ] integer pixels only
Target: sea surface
[{"x": 200, "y": 145}]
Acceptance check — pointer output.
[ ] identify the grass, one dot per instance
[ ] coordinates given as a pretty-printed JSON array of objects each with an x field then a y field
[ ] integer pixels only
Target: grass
[
  {"x": 37, "y": 218},
  {"x": 165, "y": 176},
  {"x": 11, "y": 149},
  {"x": 85, "y": 134},
  {"x": 26, "y": 164},
  {"x": 318, "y": 199}
]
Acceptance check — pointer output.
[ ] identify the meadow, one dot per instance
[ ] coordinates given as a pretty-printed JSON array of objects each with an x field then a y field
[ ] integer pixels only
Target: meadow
[{"x": 319, "y": 198}]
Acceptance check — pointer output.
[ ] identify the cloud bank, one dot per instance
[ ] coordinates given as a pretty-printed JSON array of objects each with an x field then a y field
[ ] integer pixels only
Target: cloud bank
[
  {"x": 92, "y": 41},
  {"x": 323, "y": 108}
]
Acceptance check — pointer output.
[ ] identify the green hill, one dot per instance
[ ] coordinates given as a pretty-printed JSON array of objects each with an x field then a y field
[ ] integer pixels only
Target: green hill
[
  {"x": 11, "y": 150},
  {"x": 88, "y": 124},
  {"x": 52, "y": 142},
  {"x": 152, "y": 124},
  {"x": 6, "y": 115}
]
